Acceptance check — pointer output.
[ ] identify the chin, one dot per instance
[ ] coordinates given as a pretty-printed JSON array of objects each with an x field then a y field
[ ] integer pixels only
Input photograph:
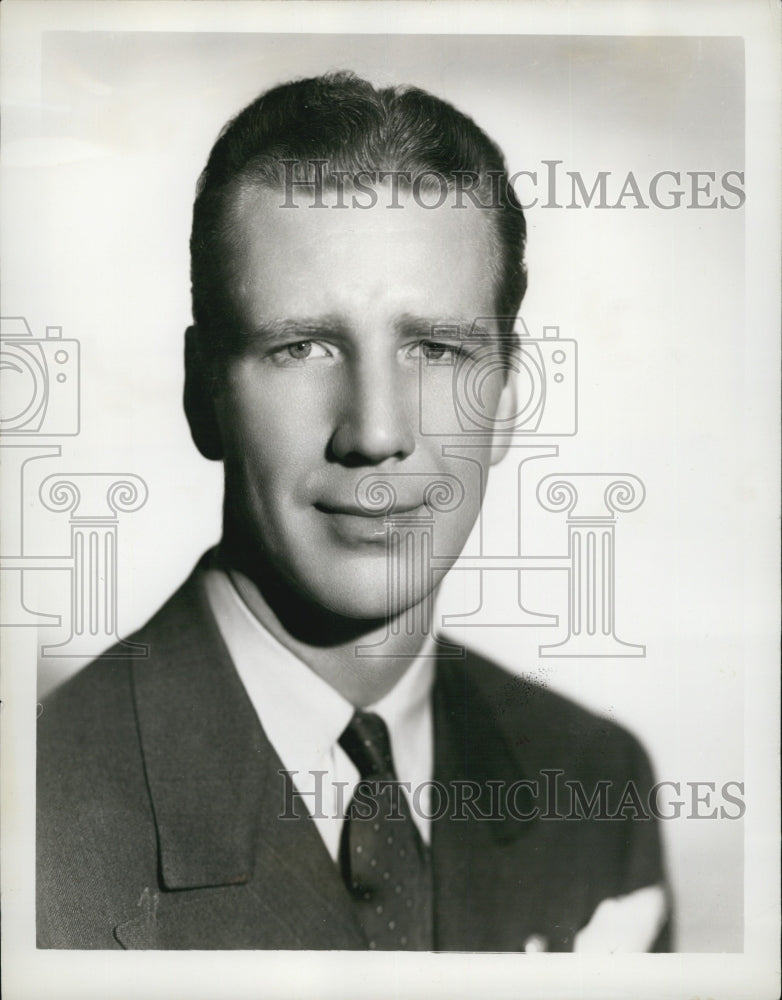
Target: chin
[{"x": 365, "y": 601}]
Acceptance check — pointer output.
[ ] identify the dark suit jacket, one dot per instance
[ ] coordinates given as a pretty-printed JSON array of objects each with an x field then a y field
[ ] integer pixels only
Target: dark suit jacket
[{"x": 159, "y": 798}]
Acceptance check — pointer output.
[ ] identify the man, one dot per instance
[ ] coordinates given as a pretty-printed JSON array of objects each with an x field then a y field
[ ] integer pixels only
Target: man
[{"x": 299, "y": 763}]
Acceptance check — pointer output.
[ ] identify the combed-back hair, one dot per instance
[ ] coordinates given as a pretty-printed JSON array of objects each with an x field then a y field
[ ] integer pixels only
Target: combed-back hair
[{"x": 354, "y": 127}]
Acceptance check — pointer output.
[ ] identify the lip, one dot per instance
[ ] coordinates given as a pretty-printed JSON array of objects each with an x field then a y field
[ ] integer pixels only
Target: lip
[
  {"x": 353, "y": 510},
  {"x": 355, "y": 526}
]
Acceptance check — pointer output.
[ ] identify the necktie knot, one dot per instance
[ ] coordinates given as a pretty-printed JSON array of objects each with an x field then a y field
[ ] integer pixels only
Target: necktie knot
[{"x": 367, "y": 743}]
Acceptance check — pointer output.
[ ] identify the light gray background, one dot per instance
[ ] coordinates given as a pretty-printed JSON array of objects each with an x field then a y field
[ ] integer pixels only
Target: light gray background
[{"x": 103, "y": 180}]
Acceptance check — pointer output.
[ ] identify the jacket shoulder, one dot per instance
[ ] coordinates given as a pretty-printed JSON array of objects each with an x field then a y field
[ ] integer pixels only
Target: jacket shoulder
[
  {"x": 95, "y": 830},
  {"x": 551, "y": 730},
  {"x": 103, "y": 686}
]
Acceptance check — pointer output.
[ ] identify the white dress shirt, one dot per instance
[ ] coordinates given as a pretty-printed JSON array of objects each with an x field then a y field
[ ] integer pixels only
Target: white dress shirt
[{"x": 303, "y": 716}]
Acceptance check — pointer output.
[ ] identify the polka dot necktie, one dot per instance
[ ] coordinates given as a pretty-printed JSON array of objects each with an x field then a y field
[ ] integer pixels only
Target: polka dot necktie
[{"x": 384, "y": 861}]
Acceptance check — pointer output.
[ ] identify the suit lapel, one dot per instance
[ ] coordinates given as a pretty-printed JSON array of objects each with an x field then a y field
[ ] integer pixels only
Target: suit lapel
[
  {"x": 233, "y": 874},
  {"x": 479, "y": 863},
  {"x": 253, "y": 880}
]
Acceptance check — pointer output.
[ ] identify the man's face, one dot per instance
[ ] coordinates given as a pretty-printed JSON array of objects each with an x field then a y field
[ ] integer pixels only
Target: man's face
[{"x": 337, "y": 310}]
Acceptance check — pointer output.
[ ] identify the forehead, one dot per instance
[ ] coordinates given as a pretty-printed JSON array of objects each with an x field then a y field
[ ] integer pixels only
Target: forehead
[{"x": 350, "y": 260}]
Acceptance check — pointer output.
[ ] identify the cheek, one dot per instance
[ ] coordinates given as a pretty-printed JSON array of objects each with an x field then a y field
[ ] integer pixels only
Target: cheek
[
  {"x": 468, "y": 466},
  {"x": 463, "y": 399},
  {"x": 272, "y": 423},
  {"x": 477, "y": 391}
]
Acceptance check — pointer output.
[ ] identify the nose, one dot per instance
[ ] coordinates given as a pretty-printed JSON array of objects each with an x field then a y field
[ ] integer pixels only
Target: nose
[{"x": 377, "y": 420}]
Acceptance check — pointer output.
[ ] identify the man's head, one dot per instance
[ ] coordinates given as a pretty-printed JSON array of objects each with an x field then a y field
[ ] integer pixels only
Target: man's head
[
  {"x": 327, "y": 317},
  {"x": 353, "y": 129}
]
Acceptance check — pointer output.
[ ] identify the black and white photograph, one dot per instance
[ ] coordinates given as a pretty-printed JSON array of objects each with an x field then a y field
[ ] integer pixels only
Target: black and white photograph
[{"x": 390, "y": 484}]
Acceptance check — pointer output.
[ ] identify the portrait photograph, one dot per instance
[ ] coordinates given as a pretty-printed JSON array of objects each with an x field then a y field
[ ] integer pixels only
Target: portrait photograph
[{"x": 389, "y": 438}]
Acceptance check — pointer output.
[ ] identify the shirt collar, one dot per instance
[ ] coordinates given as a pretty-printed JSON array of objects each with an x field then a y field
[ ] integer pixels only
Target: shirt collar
[{"x": 302, "y": 715}]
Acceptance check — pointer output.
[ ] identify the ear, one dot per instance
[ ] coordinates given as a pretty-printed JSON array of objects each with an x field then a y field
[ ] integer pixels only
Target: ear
[
  {"x": 198, "y": 398},
  {"x": 507, "y": 407}
]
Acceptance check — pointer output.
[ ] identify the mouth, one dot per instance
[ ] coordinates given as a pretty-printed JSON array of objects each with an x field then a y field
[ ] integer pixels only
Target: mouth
[
  {"x": 355, "y": 525},
  {"x": 354, "y": 510}
]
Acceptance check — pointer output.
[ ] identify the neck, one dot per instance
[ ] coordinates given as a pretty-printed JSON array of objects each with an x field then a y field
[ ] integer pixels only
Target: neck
[{"x": 329, "y": 645}]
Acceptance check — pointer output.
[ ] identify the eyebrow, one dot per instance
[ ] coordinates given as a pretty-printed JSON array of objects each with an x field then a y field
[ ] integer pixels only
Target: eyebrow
[
  {"x": 303, "y": 329},
  {"x": 440, "y": 329},
  {"x": 407, "y": 325}
]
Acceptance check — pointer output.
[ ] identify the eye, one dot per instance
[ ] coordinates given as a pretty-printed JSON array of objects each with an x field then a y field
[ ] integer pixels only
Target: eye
[
  {"x": 300, "y": 351},
  {"x": 305, "y": 349},
  {"x": 435, "y": 350}
]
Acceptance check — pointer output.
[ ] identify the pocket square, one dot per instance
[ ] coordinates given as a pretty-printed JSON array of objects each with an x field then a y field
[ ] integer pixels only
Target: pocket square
[{"x": 624, "y": 923}]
